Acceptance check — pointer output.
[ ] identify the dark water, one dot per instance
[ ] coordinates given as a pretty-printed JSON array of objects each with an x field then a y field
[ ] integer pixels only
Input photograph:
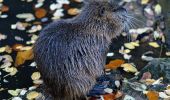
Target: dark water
[{"x": 166, "y": 11}]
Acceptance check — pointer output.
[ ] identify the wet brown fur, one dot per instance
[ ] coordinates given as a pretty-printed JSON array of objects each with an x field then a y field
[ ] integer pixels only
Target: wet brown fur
[{"x": 71, "y": 53}]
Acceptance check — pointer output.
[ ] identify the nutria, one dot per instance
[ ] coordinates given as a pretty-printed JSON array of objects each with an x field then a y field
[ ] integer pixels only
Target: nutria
[{"x": 71, "y": 53}]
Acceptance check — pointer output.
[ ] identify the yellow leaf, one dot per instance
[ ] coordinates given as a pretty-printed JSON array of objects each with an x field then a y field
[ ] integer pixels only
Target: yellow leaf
[
  {"x": 129, "y": 68},
  {"x": 2, "y": 49},
  {"x": 22, "y": 56},
  {"x": 154, "y": 44},
  {"x": 35, "y": 76},
  {"x": 14, "y": 92},
  {"x": 132, "y": 45},
  {"x": 32, "y": 95},
  {"x": 144, "y": 1},
  {"x": 158, "y": 9}
]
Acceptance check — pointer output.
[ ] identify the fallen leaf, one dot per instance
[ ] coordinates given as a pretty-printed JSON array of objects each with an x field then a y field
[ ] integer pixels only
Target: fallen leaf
[
  {"x": 129, "y": 68},
  {"x": 144, "y": 1},
  {"x": 129, "y": 46},
  {"x": 35, "y": 76},
  {"x": 109, "y": 96},
  {"x": 2, "y": 49},
  {"x": 118, "y": 94},
  {"x": 40, "y": 13},
  {"x": 154, "y": 44},
  {"x": 163, "y": 95},
  {"x": 128, "y": 97},
  {"x": 73, "y": 11},
  {"x": 108, "y": 90},
  {"x": 16, "y": 47},
  {"x": 158, "y": 9},
  {"x": 114, "y": 64},
  {"x": 22, "y": 56},
  {"x": 14, "y": 92},
  {"x": 146, "y": 75},
  {"x": 4, "y": 8},
  {"x": 152, "y": 95},
  {"x": 32, "y": 95},
  {"x": 167, "y": 53},
  {"x": 167, "y": 92},
  {"x": 149, "y": 81}
]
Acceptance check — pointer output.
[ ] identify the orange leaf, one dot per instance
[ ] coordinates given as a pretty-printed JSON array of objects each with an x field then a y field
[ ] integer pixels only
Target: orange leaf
[
  {"x": 109, "y": 97},
  {"x": 22, "y": 56},
  {"x": 153, "y": 95},
  {"x": 114, "y": 64},
  {"x": 40, "y": 13},
  {"x": 16, "y": 47}
]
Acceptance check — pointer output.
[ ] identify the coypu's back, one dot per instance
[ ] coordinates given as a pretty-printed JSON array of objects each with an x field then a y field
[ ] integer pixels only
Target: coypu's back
[{"x": 70, "y": 54}]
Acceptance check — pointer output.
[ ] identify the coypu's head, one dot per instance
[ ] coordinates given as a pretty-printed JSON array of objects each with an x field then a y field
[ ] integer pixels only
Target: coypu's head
[{"x": 108, "y": 13}]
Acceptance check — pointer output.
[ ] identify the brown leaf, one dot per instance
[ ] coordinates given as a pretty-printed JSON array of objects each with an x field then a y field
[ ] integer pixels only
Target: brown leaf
[
  {"x": 114, "y": 64},
  {"x": 16, "y": 47},
  {"x": 73, "y": 11},
  {"x": 153, "y": 95},
  {"x": 109, "y": 97},
  {"x": 4, "y": 8},
  {"x": 146, "y": 75},
  {"x": 118, "y": 94},
  {"x": 22, "y": 56},
  {"x": 40, "y": 13}
]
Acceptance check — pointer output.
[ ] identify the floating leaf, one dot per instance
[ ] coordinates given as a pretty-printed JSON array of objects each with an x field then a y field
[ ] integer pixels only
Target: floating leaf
[
  {"x": 154, "y": 44},
  {"x": 2, "y": 49},
  {"x": 108, "y": 90},
  {"x": 32, "y": 95},
  {"x": 167, "y": 92},
  {"x": 35, "y": 76},
  {"x": 129, "y": 46},
  {"x": 167, "y": 53},
  {"x": 22, "y": 56},
  {"x": 163, "y": 95},
  {"x": 144, "y": 1},
  {"x": 16, "y": 47},
  {"x": 128, "y": 97},
  {"x": 146, "y": 75},
  {"x": 40, "y": 13},
  {"x": 129, "y": 68},
  {"x": 14, "y": 92},
  {"x": 110, "y": 54},
  {"x": 114, "y": 64},
  {"x": 109, "y": 97},
  {"x": 73, "y": 11},
  {"x": 152, "y": 95},
  {"x": 118, "y": 94},
  {"x": 4, "y": 8},
  {"x": 149, "y": 81},
  {"x": 158, "y": 9}
]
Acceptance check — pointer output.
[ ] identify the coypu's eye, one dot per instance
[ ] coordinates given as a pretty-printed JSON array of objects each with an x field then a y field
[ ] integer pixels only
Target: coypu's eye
[{"x": 102, "y": 11}]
